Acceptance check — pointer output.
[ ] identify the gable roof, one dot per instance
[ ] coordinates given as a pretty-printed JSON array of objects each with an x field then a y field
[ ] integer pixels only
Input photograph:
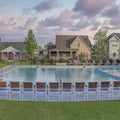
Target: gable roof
[
  {"x": 17, "y": 45},
  {"x": 10, "y": 49},
  {"x": 117, "y": 36},
  {"x": 64, "y": 41},
  {"x": 49, "y": 46}
]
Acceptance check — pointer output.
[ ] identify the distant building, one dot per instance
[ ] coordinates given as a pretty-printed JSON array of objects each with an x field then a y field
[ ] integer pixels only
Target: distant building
[
  {"x": 71, "y": 46},
  {"x": 114, "y": 46},
  {"x": 47, "y": 47},
  {"x": 10, "y": 51}
]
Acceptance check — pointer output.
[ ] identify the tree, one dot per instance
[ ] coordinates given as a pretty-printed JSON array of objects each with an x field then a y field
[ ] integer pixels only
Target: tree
[
  {"x": 101, "y": 46},
  {"x": 30, "y": 45}
]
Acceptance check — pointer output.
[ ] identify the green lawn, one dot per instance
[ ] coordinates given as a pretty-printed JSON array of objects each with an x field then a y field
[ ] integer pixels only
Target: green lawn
[
  {"x": 3, "y": 63},
  {"x": 99, "y": 110}
]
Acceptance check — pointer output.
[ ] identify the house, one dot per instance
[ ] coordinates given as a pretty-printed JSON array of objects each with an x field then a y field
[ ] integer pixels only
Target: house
[
  {"x": 114, "y": 46},
  {"x": 47, "y": 47},
  {"x": 10, "y": 51},
  {"x": 71, "y": 46}
]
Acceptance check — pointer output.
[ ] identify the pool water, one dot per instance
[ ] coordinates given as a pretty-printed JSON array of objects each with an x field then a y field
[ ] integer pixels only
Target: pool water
[{"x": 66, "y": 74}]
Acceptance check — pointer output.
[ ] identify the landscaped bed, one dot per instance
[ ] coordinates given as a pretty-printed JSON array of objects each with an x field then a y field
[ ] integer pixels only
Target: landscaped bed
[{"x": 98, "y": 110}]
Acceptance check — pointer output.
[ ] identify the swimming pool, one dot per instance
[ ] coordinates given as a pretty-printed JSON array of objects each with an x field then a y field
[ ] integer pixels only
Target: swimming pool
[{"x": 66, "y": 74}]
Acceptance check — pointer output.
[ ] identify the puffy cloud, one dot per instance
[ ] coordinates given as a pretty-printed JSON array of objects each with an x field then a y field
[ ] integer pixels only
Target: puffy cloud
[
  {"x": 63, "y": 20},
  {"x": 92, "y": 7},
  {"x": 113, "y": 15},
  {"x": 111, "y": 12},
  {"x": 46, "y": 5},
  {"x": 10, "y": 28},
  {"x": 96, "y": 24}
]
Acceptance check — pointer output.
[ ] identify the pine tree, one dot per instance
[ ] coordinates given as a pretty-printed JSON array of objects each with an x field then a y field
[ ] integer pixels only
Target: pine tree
[{"x": 30, "y": 45}]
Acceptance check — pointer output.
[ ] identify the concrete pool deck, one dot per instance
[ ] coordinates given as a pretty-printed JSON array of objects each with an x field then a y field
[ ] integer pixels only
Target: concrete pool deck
[{"x": 113, "y": 72}]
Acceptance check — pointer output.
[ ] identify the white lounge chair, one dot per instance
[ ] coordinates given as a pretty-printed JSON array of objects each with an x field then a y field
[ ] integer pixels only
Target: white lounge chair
[
  {"x": 66, "y": 92},
  {"x": 40, "y": 91},
  {"x": 54, "y": 91},
  {"x": 15, "y": 91},
  {"x": 27, "y": 91},
  {"x": 116, "y": 90},
  {"x": 92, "y": 91},
  {"x": 79, "y": 91},
  {"x": 4, "y": 89},
  {"x": 104, "y": 91}
]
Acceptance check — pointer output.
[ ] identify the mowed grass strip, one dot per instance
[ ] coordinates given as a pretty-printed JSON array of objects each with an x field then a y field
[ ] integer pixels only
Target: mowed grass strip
[{"x": 97, "y": 110}]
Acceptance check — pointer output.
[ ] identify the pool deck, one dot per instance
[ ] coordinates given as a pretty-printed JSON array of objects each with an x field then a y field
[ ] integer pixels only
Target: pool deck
[
  {"x": 6, "y": 69},
  {"x": 113, "y": 72}
]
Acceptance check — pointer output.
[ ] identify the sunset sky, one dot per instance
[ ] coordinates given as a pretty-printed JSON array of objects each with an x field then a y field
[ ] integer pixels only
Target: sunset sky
[{"x": 48, "y": 18}]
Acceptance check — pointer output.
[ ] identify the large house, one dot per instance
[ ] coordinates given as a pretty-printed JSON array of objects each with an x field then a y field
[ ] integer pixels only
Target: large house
[
  {"x": 71, "y": 46},
  {"x": 114, "y": 46},
  {"x": 10, "y": 51}
]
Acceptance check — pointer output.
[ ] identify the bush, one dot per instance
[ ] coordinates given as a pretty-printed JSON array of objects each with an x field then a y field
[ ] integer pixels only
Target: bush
[
  {"x": 51, "y": 61},
  {"x": 61, "y": 60}
]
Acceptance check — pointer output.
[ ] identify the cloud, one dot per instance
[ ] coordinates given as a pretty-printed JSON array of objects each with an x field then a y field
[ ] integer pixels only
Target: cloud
[
  {"x": 92, "y": 7},
  {"x": 113, "y": 15},
  {"x": 111, "y": 12},
  {"x": 30, "y": 23},
  {"x": 10, "y": 28},
  {"x": 63, "y": 20},
  {"x": 46, "y": 5}
]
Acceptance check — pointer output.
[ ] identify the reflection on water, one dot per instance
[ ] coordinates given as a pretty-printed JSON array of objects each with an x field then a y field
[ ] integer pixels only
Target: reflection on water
[{"x": 55, "y": 74}]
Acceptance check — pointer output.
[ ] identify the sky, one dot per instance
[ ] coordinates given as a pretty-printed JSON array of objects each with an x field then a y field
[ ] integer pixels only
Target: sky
[{"x": 48, "y": 18}]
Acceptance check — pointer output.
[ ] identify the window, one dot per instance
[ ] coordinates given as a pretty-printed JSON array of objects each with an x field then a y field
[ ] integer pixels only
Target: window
[
  {"x": 114, "y": 45},
  {"x": 78, "y": 45}
]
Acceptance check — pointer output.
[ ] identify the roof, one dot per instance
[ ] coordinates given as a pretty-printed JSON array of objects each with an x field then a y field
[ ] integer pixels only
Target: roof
[
  {"x": 10, "y": 49},
  {"x": 66, "y": 49},
  {"x": 49, "y": 46},
  {"x": 117, "y": 36},
  {"x": 64, "y": 41},
  {"x": 17, "y": 45}
]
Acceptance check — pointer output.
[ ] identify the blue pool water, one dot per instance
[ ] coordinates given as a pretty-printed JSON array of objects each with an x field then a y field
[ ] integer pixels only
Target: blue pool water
[{"x": 67, "y": 74}]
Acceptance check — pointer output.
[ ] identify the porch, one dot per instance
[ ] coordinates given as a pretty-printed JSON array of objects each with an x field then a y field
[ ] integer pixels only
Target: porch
[{"x": 65, "y": 54}]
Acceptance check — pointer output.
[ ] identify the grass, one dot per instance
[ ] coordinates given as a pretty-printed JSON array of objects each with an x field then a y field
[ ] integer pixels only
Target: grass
[
  {"x": 3, "y": 63},
  {"x": 98, "y": 110}
]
